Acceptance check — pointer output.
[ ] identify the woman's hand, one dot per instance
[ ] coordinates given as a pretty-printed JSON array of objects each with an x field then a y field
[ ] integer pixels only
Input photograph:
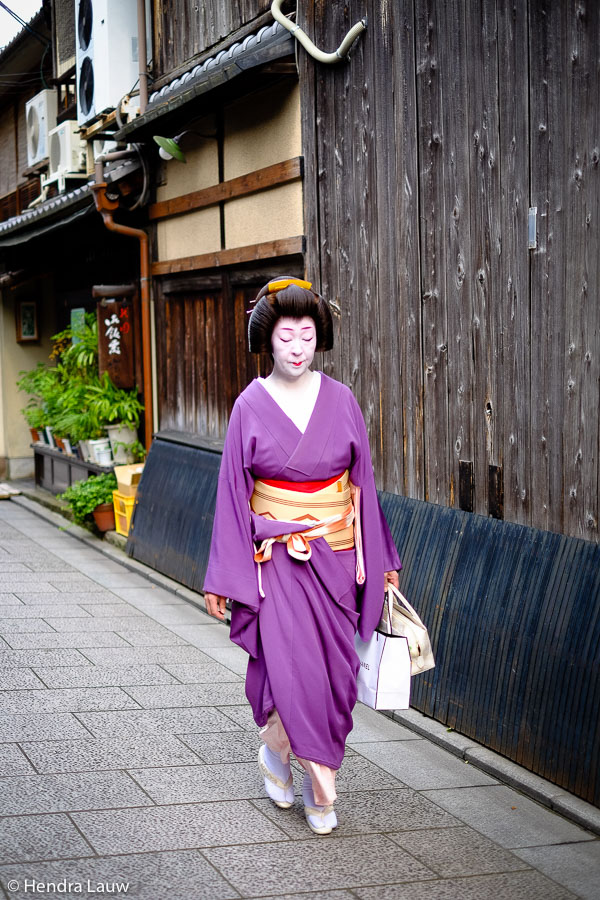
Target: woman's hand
[
  {"x": 390, "y": 578},
  {"x": 215, "y": 605}
]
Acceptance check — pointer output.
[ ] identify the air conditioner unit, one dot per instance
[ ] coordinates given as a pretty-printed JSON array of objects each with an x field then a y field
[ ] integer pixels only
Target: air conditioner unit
[
  {"x": 106, "y": 47},
  {"x": 67, "y": 150},
  {"x": 40, "y": 117}
]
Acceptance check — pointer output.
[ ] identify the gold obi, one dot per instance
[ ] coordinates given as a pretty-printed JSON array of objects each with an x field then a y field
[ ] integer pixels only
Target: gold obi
[{"x": 329, "y": 509}]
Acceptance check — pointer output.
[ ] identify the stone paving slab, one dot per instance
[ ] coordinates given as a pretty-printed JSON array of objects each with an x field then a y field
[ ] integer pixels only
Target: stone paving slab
[
  {"x": 18, "y": 679},
  {"x": 365, "y": 812},
  {"x": 181, "y": 827},
  {"x": 14, "y": 762},
  {"x": 102, "y": 676},
  {"x": 28, "y": 625},
  {"x": 116, "y": 609},
  {"x": 105, "y": 623},
  {"x": 176, "y": 875},
  {"x": 311, "y": 866},
  {"x": 46, "y": 700},
  {"x": 196, "y": 673},
  {"x": 189, "y": 695},
  {"x": 96, "y": 754},
  {"x": 507, "y": 817},
  {"x": 507, "y": 886},
  {"x": 66, "y": 640},
  {"x": 167, "y": 721},
  {"x": 423, "y": 766},
  {"x": 41, "y": 837},
  {"x": 224, "y": 748},
  {"x": 203, "y": 635},
  {"x": 42, "y": 727},
  {"x": 25, "y": 794},
  {"x": 453, "y": 852},
  {"x": 74, "y": 597},
  {"x": 201, "y": 783},
  {"x": 576, "y": 865},
  {"x": 131, "y": 656},
  {"x": 31, "y": 658},
  {"x": 42, "y": 611},
  {"x": 232, "y": 657}
]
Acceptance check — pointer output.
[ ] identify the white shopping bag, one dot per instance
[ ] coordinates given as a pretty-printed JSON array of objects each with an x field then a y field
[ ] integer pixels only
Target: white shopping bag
[{"x": 384, "y": 674}]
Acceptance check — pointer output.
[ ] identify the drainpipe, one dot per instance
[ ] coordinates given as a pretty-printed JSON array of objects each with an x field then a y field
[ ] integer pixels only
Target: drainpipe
[
  {"x": 142, "y": 55},
  {"x": 106, "y": 208}
]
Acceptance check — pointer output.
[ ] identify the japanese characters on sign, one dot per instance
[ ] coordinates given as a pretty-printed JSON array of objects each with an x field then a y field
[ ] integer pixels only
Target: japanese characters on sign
[{"x": 115, "y": 344}]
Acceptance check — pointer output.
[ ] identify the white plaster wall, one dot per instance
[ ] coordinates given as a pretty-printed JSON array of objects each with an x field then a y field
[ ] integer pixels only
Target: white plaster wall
[
  {"x": 189, "y": 235},
  {"x": 259, "y": 132}
]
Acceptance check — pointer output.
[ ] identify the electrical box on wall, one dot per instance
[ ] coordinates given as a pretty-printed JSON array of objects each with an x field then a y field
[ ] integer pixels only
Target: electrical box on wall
[{"x": 40, "y": 117}]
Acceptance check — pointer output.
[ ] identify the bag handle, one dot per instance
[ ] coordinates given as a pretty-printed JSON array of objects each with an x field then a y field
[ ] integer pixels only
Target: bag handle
[{"x": 392, "y": 592}]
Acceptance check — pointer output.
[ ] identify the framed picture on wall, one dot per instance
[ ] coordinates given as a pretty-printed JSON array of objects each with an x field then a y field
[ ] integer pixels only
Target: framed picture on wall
[{"x": 27, "y": 321}]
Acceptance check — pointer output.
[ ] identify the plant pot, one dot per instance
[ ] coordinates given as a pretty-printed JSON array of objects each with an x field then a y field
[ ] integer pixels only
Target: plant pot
[
  {"x": 35, "y": 435},
  {"x": 104, "y": 457},
  {"x": 59, "y": 443},
  {"x": 83, "y": 451},
  {"x": 119, "y": 435},
  {"x": 104, "y": 517},
  {"x": 49, "y": 436},
  {"x": 95, "y": 446},
  {"x": 67, "y": 447}
]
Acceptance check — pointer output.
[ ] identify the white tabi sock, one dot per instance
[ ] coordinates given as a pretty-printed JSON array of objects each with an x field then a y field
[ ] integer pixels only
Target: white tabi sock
[
  {"x": 273, "y": 760},
  {"x": 318, "y": 822}
]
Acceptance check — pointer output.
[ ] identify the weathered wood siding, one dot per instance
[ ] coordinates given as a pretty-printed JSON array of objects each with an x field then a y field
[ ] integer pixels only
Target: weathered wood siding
[
  {"x": 470, "y": 354},
  {"x": 182, "y": 30}
]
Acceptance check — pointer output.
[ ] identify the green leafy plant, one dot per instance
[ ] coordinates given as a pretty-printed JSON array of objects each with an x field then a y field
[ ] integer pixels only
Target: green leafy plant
[
  {"x": 113, "y": 404},
  {"x": 84, "y": 496},
  {"x": 135, "y": 448},
  {"x": 70, "y": 396}
]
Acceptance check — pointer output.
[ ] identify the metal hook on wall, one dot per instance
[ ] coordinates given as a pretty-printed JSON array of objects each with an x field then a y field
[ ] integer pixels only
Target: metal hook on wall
[{"x": 306, "y": 42}]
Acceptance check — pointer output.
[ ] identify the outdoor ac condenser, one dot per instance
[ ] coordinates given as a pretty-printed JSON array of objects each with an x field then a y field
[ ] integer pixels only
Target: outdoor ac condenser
[
  {"x": 106, "y": 47},
  {"x": 67, "y": 150},
  {"x": 40, "y": 117}
]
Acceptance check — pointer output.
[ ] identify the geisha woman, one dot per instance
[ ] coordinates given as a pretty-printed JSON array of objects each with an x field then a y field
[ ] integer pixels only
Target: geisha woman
[{"x": 300, "y": 546}]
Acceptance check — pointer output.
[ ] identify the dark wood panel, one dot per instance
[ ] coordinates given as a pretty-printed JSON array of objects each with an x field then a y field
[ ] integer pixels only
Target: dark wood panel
[
  {"x": 279, "y": 173},
  {"x": 513, "y": 288},
  {"x": 548, "y": 54},
  {"x": 184, "y": 30},
  {"x": 265, "y": 250}
]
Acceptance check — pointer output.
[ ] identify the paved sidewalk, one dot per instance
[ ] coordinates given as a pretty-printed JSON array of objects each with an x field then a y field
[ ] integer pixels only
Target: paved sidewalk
[{"x": 128, "y": 756}]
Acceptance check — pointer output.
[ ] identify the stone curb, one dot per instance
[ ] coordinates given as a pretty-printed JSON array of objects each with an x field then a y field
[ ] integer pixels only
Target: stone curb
[{"x": 504, "y": 770}]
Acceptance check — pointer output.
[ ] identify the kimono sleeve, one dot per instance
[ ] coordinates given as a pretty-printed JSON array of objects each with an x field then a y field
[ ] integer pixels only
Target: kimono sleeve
[
  {"x": 379, "y": 551},
  {"x": 231, "y": 568}
]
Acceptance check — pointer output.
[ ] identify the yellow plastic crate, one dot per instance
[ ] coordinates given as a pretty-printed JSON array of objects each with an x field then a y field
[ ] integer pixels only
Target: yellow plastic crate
[{"x": 123, "y": 512}]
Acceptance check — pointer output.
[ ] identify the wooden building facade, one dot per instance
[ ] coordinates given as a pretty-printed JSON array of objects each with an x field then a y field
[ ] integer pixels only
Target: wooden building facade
[
  {"x": 451, "y": 197},
  {"x": 441, "y": 188}
]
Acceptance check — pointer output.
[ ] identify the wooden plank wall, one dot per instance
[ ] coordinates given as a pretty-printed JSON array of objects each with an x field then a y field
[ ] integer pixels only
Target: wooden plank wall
[
  {"x": 476, "y": 360},
  {"x": 183, "y": 30},
  {"x": 203, "y": 361}
]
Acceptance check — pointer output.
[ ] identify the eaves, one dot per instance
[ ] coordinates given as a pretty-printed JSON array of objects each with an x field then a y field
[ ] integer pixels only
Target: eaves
[{"x": 268, "y": 44}]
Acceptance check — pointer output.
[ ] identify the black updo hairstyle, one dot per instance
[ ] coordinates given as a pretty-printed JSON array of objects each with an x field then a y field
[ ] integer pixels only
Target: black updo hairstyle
[{"x": 287, "y": 296}]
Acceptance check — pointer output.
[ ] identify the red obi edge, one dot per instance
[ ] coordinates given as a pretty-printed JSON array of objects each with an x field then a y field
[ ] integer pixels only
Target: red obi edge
[{"x": 304, "y": 487}]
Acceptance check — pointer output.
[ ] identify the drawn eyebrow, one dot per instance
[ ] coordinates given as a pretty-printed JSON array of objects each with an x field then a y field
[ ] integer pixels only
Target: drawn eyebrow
[{"x": 304, "y": 328}]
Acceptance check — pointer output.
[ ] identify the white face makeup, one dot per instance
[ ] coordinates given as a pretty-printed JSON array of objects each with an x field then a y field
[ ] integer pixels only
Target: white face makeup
[{"x": 293, "y": 342}]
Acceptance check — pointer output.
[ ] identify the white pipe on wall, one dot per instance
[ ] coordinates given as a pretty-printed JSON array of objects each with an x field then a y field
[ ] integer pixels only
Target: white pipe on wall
[{"x": 306, "y": 42}]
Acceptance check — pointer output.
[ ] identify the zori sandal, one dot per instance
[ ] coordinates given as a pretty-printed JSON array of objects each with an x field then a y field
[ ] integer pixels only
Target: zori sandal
[
  {"x": 321, "y": 819},
  {"x": 280, "y": 792}
]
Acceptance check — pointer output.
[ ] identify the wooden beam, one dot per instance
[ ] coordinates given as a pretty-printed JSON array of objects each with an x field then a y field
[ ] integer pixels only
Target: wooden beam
[
  {"x": 266, "y": 250},
  {"x": 270, "y": 176}
]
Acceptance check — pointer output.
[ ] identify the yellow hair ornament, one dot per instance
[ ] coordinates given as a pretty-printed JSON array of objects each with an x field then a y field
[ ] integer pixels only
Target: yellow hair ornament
[{"x": 274, "y": 286}]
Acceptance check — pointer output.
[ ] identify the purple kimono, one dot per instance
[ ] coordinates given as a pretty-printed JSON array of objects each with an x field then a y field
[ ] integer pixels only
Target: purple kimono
[{"x": 300, "y": 636}]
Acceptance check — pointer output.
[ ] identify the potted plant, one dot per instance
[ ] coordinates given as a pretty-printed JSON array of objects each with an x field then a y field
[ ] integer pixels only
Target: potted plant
[
  {"x": 93, "y": 497},
  {"x": 119, "y": 410}
]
